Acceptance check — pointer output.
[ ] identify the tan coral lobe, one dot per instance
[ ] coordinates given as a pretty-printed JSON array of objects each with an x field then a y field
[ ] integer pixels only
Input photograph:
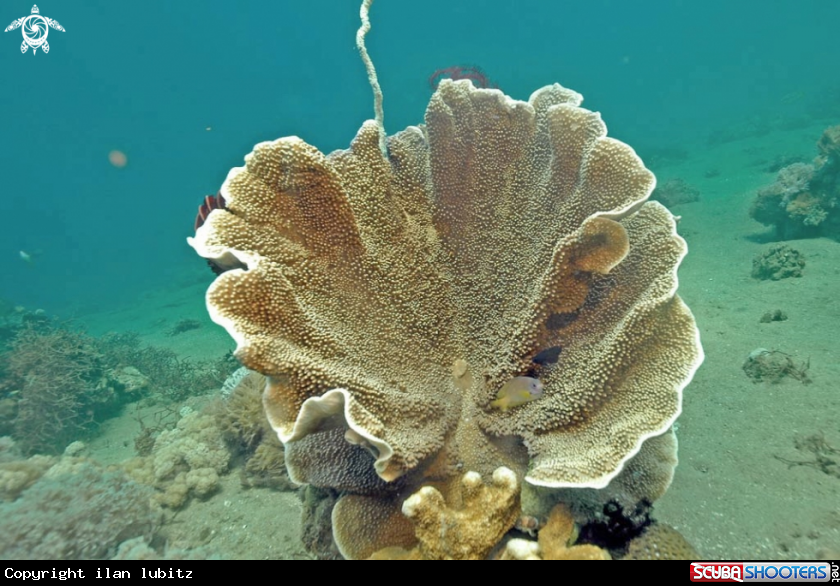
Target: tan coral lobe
[
  {"x": 389, "y": 300},
  {"x": 470, "y": 531}
]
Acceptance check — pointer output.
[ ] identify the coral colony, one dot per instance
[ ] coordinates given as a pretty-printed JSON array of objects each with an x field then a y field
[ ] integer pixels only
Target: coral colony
[
  {"x": 803, "y": 202},
  {"x": 391, "y": 291}
]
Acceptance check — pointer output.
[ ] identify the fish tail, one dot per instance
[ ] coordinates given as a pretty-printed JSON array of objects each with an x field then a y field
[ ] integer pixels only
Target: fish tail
[{"x": 500, "y": 404}]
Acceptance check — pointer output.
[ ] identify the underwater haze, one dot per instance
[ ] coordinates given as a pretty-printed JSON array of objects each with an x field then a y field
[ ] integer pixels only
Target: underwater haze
[
  {"x": 110, "y": 362},
  {"x": 149, "y": 79}
]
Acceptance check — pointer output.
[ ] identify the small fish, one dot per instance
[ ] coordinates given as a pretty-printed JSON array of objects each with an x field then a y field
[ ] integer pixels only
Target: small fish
[
  {"x": 25, "y": 256},
  {"x": 517, "y": 391}
]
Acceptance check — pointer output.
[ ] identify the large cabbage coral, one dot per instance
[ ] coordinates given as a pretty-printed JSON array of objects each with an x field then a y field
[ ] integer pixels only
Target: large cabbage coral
[
  {"x": 396, "y": 296},
  {"x": 390, "y": 291}
]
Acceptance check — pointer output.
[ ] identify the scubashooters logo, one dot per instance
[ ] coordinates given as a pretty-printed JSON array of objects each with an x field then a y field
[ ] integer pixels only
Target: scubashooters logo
[
  {"x": 761, "y": 572},
  {"x": 35, "y": 29}
]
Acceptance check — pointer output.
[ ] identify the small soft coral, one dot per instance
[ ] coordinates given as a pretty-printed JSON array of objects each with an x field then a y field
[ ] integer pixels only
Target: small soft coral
[
  {"x": 557, "y": 538},
  {"x": 556, "y": 541},
  {"x": 239, "y": 411},
  {"x": 240, "y": 415}
]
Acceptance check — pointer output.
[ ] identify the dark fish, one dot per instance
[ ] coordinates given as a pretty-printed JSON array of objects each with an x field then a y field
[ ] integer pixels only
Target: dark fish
[
  {"x": 547, "y": 356},
  {"x": 210, "y": 203}
]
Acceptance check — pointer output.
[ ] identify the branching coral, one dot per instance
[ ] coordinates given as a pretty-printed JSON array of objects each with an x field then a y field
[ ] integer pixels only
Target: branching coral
[
  {"x": 57, "y": 383},
  {"x": 388, "y": 298},
  {"x": 56, "y": 373},
  {"x": 168, "y": 376}
]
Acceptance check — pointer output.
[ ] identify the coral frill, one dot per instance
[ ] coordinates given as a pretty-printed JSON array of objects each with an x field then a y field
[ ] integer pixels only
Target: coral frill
[{"x": 389, "y": 299}]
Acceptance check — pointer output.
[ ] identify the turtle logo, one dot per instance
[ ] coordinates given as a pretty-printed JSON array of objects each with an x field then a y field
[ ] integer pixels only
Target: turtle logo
[{"x": 34, "y": 28}]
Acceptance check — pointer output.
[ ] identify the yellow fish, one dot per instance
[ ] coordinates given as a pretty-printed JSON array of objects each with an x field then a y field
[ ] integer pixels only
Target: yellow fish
[{"x": 517, "y": 391}]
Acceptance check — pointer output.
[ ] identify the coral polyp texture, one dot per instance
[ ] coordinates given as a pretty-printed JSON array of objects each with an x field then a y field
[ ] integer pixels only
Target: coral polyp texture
[{"x": 389, "y": 299}]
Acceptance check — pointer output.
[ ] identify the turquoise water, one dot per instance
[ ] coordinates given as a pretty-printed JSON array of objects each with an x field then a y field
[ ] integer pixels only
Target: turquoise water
[
  {"x": 148, "y": 78},
  {"x": 710, "y": 92}
]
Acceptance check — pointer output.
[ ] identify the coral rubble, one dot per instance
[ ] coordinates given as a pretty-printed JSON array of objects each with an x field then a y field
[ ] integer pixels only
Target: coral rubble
[
  {"x": 772, "y": 366},
  {"x": 778, "y": 262},
  {"x": 771, "y": 316}
]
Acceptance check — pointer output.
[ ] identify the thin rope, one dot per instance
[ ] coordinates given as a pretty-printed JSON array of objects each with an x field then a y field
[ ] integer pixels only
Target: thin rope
[{"x": 371, "y": 72}]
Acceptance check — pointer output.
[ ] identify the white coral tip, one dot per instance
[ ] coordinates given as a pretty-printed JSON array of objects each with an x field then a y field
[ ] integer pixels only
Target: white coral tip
[
  {"x": 505, "y": 477},
  {"x": 522, "y": 549}
]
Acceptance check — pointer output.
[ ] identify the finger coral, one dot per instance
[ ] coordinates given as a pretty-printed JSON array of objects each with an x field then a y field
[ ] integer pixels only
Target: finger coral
[
  {"x": 470, "y": 532},
  {"x": 467, "y": 530}
]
